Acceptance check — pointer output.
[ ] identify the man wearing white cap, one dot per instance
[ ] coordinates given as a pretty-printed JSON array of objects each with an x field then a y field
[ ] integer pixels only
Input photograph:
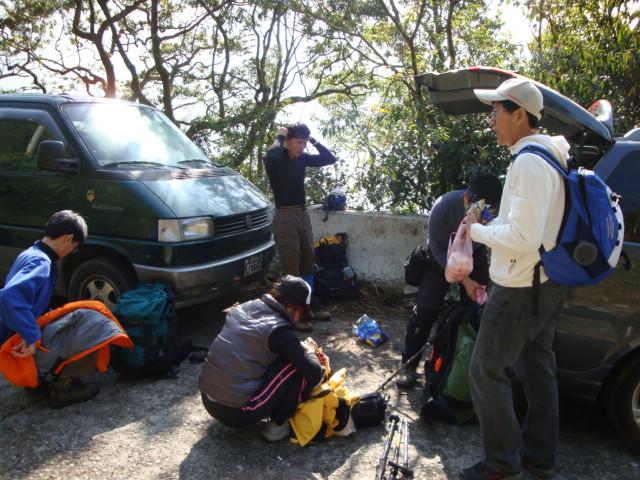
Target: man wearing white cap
[{"x": 510, "y": 333}]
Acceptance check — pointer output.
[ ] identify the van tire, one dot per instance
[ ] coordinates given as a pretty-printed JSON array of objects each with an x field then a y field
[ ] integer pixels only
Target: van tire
[
  {"x": 101, "y": 279},
  {"x": 622, "y": 402}
]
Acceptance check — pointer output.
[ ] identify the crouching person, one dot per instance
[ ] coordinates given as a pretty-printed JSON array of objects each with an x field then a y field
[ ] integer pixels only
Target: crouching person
[
  {"x": 257, "y": 368},
  {"x": 53, "y": 349}
]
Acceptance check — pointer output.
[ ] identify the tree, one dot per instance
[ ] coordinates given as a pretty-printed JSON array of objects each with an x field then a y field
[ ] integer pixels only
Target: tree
[
  {"x": 588, "y": 50},
  {"x": 408, "y": 153},
  {"x": 227, "y": 70}
]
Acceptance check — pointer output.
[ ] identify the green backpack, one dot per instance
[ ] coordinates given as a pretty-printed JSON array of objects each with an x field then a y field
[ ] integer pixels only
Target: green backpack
[{"x": 447, "y": 395}]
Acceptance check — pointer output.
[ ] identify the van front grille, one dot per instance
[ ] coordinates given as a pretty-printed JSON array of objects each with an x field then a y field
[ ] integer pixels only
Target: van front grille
[
  {"x": 243, "y": 246},
  {"x": 234, "y": 224}
]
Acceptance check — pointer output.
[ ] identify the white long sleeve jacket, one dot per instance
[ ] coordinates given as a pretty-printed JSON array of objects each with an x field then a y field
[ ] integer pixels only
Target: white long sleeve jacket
[{"x": 530, "y": 214}]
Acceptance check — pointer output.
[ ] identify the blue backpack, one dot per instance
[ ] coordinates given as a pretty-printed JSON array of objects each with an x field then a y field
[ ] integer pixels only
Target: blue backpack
[
  {"x": 591, "y": 233},
  {"x": 334, "y": 201}
]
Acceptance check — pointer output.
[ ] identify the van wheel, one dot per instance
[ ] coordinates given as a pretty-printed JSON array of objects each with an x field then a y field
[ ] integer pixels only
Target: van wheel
[
  {"x": 102, "y": 280},
  {"x": 622, "y": 402}
]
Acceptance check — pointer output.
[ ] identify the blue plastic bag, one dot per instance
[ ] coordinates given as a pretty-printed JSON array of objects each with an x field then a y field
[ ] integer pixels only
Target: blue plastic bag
[{"x": 369, "y": 331}]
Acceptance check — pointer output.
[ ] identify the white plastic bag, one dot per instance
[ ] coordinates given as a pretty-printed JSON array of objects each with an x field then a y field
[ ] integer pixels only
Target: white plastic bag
[{"x": 460, "y": 255}]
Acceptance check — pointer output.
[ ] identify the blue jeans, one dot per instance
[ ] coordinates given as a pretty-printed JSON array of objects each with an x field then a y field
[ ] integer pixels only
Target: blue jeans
[{"x": 510, "y": 333}]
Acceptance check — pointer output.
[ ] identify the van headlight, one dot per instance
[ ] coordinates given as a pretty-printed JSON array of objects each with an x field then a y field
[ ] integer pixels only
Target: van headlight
[
  {"x": 270, "y": 211},
  {"x": 184, "y": 229}
]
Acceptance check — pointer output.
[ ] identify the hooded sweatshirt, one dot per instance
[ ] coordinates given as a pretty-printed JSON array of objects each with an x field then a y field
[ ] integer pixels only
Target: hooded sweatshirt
[{"x": 531, "y": 212}]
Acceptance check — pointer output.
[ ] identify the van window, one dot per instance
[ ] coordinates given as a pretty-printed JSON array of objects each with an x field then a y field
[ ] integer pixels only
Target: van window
[
  {"x": 121, "y": 135},
  {"x": 22, "y": 131},
  {"x": 624, "y": 181}
]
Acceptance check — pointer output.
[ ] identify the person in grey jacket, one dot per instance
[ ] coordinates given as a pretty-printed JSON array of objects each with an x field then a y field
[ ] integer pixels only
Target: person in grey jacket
[
  {"x": 444, "y": 219},
  {"x": 257, "y": 367}
]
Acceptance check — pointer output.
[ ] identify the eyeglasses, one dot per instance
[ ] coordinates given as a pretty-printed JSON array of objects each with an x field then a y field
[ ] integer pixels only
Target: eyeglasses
[{"x": 494, "y": 113}]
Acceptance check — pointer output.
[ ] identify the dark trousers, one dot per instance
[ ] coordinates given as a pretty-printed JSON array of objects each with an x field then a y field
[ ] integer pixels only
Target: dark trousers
[
  {"x": 282, "y": 389},
  {"x": 510, "y": 334},
  {"x": 431, "y": 294}
]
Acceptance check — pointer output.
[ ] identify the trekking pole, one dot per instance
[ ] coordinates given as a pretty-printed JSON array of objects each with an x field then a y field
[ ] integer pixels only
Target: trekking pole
[
  {"x": 382, "y": 463},
  {"x": 393, "y": 463},
  {"x": 405, "y": 463},
  {"x": 404, "y": 468},
  {"x": 405, "y": 364}
]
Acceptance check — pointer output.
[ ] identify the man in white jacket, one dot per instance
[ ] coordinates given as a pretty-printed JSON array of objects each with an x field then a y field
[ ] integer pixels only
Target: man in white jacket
[{"x": 530, "y": 216}]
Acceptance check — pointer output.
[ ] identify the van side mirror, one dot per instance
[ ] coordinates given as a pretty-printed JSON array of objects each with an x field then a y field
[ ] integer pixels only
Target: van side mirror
[{"x": 52, "y": 156}]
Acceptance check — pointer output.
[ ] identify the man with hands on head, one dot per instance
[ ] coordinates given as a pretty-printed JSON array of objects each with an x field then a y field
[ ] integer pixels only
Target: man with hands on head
[{"x": 285, "y": 164}]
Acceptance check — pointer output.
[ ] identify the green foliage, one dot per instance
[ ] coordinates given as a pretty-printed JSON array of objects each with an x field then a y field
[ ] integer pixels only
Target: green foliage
[
  {"x": 588, "y": 50},
  {"x": 229, "y": 72}
]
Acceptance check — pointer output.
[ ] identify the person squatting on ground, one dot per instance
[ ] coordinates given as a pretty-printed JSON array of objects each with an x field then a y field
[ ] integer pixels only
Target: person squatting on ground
[
  {"x": 285, "y": 163},
  {"x": 510, "y": 334},
  {"x": 444, "y": 219},
  {"x": 257, "y": 367},
  {"x": 26, "y": 296}
]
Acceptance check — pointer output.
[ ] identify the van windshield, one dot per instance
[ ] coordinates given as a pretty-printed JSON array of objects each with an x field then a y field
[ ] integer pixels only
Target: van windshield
[{"x": 125, "y": 136}]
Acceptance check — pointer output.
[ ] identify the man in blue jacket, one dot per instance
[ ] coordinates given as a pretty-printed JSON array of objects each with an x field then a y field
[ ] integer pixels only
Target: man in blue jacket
[{"x": 26, "y": 295}]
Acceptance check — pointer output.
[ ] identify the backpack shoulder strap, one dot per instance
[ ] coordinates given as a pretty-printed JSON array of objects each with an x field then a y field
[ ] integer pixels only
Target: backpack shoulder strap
[
  {"x": 553, "y": 161},
  {"x": 545, "y": 154}
]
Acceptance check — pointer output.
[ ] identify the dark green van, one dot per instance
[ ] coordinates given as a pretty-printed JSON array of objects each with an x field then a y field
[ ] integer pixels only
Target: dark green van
[{"x": 157, "y": 208}]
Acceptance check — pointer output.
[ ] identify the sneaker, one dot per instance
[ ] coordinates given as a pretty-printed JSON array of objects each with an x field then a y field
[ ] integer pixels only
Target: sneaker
[
  {"x": 321, "y": 315},
  {"x": 274, "y": 432},
  {"x": 539, "y": 472},
  {"x": 303, "y": 326},
  {"x": 407, "y": 376},
  {"x": 481, "y": 472},
  {"x": 66, "y": 391}
]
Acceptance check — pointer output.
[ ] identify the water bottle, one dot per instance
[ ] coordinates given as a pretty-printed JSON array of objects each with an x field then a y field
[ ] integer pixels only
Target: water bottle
[
  {"x": 585, "y": 253},
  {"x": 348, "y": 273},
  {"x": 361, "y": 321}
]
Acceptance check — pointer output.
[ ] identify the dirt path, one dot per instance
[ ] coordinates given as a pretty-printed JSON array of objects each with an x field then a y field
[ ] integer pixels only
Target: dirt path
[{"x": 159, "y": 429}]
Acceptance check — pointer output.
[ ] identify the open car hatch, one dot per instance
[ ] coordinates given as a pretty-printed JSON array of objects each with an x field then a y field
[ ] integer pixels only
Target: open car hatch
[{"x": 452, "y": 91}]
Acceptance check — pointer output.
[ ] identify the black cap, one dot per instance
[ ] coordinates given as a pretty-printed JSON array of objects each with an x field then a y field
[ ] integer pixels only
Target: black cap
[
  {"x": 487, "y": 187},
  {"x": 294, "y": 290}
]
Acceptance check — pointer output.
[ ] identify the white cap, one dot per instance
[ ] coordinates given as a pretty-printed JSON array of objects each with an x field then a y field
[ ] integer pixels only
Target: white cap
[{"x": 520, "y": 91}]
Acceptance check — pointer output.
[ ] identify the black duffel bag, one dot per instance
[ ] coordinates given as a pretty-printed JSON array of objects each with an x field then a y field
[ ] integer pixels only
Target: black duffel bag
[{"x": 415, "y": 265}]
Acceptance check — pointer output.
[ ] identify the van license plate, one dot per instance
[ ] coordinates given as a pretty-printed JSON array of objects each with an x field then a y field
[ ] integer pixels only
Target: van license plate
[{"x": 253, "y": 264}]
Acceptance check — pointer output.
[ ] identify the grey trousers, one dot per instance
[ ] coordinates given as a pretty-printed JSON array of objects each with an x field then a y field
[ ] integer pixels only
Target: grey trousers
[{"x": 510, "y": 334}]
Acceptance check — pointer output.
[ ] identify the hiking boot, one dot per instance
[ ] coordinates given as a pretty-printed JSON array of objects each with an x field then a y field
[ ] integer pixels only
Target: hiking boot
[
  {"x": 303, "y": 326},
  {"x": 317, "y": 312},
  {"x": 321, "y": 315},
  {"x": 407, "y": 376},
  {"x": 539, "y": 472},
  {"x": 481, "y": 472},
  {"x": 66, "y": 391},
  {"x": 274, "y": 432}
]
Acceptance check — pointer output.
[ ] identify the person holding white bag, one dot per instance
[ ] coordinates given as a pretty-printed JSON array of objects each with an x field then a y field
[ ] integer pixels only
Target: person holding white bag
[
  {"x": 444, "y": 219},
  {"x": 511, "y": 332}
]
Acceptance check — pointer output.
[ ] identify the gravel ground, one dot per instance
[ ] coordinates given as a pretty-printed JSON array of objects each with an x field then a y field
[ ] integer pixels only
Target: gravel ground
[{"x": 159, "y": 429}]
